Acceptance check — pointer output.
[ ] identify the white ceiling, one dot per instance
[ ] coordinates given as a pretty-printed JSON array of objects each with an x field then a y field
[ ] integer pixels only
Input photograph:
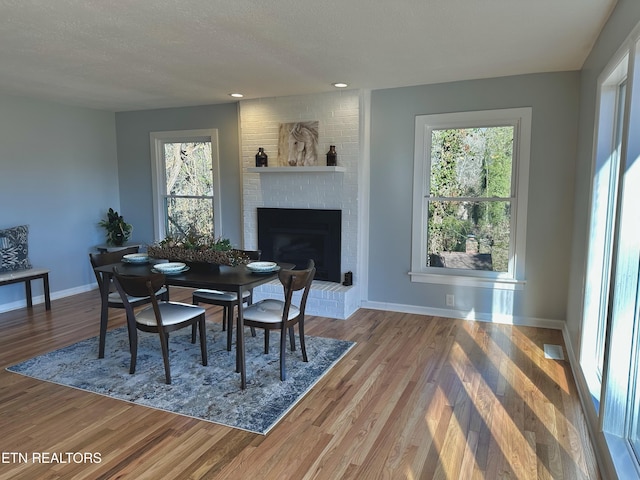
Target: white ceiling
[{"x": 122, "y": 55}]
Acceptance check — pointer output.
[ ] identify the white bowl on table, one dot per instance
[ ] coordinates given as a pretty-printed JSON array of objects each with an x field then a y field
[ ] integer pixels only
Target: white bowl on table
[
  {"x": 136, "y": 258},
  {"x": 170, "y": 267},
  {"x": 262, "y": 267}
]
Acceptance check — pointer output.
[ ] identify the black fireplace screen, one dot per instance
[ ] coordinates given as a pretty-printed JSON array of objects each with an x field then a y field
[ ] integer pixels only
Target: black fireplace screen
[{"x": 295, "y": 235}]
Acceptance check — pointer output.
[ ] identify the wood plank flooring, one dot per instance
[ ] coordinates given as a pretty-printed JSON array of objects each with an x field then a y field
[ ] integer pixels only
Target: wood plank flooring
[{"x": 419, "y": 397}]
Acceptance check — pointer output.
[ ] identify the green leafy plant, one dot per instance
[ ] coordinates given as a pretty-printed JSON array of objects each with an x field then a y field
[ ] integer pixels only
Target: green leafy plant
[
  {"x": 118, "y": 231},
  {"x": 194, "y": 241}
]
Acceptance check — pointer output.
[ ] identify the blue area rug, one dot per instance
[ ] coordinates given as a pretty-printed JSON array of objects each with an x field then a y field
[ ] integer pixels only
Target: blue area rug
[{"x": 209, "y": 393}]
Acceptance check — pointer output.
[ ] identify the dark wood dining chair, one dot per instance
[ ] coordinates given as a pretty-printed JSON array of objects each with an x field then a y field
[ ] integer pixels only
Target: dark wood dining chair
[
  {"x": 114, "y": 300},
  {"x": 272, "y": 314},
  {"x": 227, "y": 300},
  {"x": 162, "y": 317}
]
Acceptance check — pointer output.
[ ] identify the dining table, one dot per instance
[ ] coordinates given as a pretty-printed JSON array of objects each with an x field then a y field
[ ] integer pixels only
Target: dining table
[{"x": 217, "y": 277}]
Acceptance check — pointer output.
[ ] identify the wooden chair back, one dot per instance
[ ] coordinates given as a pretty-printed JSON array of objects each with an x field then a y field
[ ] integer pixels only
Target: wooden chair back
[
  {"x": 107, "y": 258},
  {"x": 295, "y": 280},
  {"x": 140, "y": 285}
]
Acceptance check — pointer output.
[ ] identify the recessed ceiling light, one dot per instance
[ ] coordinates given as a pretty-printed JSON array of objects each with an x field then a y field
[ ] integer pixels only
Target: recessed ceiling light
[
  {"x": 340, "y": 85},
  {"x": 236, "y": 95}
]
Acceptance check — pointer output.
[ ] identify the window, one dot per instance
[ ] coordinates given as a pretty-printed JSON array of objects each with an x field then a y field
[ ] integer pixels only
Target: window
[
  {"x": 610, "y": 344},
  {"x": 470, "y": 194},
  {"x": 186, "y": 181},
  {"x": 603, "y": 220}
]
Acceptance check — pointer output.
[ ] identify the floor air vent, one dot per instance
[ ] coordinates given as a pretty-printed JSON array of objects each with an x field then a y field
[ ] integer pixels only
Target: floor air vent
[{"x": 553, "y": 352}]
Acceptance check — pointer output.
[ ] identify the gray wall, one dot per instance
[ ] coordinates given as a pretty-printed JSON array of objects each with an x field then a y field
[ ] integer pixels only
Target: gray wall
[
  {"x": 134, "y": 161},
  {"x": 62, "y": 167},
  {"x": 620, "y": 24},
  {"x": 554, "y": 99},
  {"x": 58, "y": 174}
]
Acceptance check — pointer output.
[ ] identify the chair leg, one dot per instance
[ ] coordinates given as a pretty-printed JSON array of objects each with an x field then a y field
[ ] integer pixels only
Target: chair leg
[
  {"x": 283, "y": 351},
  {"x": 103, "y": 332},
  {"x": 164, "y": 345},
  {"x": 134, "y": 355},
  {"x": 193, "y": 327},
  {"x": 266, "y": 341},
  {"x": 203, "y": 339},
  {"x": 133, "y": 335},
  {"x": 249, "y": 301},
  {"x": 193, "y": 333},
  {"x": 225, "y": 316},
  {"x": 302, "y": 345},
  {"x": 229, "y": 322},
  {"x": 292, "y": 339}
]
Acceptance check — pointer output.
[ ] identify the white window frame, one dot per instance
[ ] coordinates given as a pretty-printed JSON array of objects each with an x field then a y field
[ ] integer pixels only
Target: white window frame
[
  {"x": 620, "y": 380},
  {"x": 514, "y": 278},
  {"x": 158, "y": 173},
  {"x": 599, "y": 261},
  {"x": 620, "y": 352}
]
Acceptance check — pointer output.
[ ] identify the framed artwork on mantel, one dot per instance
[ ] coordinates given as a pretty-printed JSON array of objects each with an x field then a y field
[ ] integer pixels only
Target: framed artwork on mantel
[{"x": 298, "y": 144}]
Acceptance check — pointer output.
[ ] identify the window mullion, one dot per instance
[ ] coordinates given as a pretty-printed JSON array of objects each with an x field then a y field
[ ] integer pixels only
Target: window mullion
[{"x": 205, "y": 197}]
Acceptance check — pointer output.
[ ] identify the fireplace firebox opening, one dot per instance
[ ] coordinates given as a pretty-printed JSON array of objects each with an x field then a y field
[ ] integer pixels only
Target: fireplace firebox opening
[{"x": 295, "y": 235}]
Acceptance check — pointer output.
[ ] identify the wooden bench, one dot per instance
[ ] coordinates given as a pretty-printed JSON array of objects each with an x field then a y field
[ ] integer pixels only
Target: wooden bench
[{"x": 18, "y": 276}]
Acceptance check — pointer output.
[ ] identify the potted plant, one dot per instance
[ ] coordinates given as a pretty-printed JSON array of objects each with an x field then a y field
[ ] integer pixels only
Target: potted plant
[{"x": 118, "y": 231}]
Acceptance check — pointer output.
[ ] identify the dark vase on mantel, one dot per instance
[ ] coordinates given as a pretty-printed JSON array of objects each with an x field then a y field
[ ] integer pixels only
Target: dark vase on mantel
[
  {"x": 261, "y": 158},
  {"x": 332, "y": 156}
]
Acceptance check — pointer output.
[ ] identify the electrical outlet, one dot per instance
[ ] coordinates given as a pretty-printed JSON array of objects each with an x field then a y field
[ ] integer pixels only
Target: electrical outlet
[{"x": 451, "y": 300}]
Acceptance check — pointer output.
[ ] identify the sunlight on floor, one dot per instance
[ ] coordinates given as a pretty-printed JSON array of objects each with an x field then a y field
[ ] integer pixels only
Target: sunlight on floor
[{"x": 517, "y": 446}]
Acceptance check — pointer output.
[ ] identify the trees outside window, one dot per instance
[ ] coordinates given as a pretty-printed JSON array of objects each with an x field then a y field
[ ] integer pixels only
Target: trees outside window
[
  {"x": 189, "y": 189},
  {"x": 470, "y": 194},
  {"x": 186, "y": 181}
]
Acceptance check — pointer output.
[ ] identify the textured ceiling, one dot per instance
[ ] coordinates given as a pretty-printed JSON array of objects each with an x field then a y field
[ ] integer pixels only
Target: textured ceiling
[{"x": 139, "y": 54}]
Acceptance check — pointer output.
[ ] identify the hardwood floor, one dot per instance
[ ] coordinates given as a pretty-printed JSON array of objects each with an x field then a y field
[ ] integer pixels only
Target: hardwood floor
[{"x": 419, "y": 397}]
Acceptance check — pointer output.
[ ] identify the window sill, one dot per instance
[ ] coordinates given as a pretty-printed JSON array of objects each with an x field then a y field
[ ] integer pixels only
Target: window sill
[
  {"x": 467, "y": 281},
  {"x": 622, "y": 457}
]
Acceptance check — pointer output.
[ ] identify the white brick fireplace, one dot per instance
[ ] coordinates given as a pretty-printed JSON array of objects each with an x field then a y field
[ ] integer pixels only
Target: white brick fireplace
[{"x": 339, "y": 124}]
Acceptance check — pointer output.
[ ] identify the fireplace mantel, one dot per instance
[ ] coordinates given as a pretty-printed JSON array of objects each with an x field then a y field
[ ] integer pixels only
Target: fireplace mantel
[{"x": 295, "y": 169}]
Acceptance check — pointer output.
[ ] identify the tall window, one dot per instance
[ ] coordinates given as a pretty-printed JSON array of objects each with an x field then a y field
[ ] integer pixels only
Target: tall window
[
  {"x": 470, "y": 177},
  {"x": 603, "y": 223},
  {"x": 610, "y": 346},
  {"x": 186, "y": 183}
]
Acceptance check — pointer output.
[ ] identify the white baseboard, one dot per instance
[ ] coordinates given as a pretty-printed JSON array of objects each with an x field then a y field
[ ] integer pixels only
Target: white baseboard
[
  {"x": 38, "y": 299},
  {"x": 463, "y": 315}
]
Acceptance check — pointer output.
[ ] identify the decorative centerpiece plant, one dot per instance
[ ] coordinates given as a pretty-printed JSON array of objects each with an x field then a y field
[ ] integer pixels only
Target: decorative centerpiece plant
[
  {"x": 198, "y": 248},
  {"x": 118, "y": 231}
]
